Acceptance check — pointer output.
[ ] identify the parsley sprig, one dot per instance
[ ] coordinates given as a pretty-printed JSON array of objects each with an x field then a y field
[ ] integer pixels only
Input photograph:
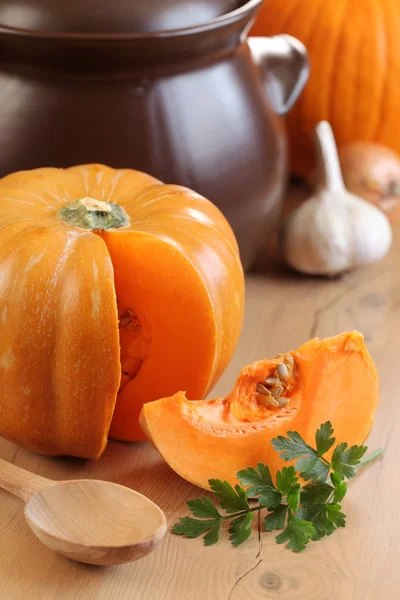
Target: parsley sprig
[{"x": 303, "y": 512}]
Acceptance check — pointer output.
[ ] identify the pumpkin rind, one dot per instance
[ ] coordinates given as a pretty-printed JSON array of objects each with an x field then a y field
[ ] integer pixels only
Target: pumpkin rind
[
  {"x": 335, "y": 380},
  {"x": 60, "y": 368},
  {"x": 59, "y": 349},
  {"x": 354, "y": 50}
]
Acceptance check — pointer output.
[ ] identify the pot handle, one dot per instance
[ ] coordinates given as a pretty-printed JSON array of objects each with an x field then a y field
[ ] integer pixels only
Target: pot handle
[{"x": 284, "y": 67}]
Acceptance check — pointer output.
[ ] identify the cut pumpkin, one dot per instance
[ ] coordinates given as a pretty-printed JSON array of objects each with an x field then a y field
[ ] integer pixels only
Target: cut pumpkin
[
  {"x": 331, "y": 379},
  {"x": 115, "y": 290}
]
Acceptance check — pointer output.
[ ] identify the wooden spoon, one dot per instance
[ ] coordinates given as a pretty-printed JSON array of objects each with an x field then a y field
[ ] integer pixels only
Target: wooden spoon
[{"x": 90, "y": 521}]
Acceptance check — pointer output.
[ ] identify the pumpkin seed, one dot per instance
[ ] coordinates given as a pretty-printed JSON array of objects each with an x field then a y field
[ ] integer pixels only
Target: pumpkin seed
[
  {"x": 276, "y": 392},
  {"x": 267, "y": 401},
  {"x": 276, "y": 384},
  {"x": 273, "y": 381},
  {"x": 282, "y": 401},
  {"x": 260, "y": 389},
  {"x": 289, "y": 360},
  {"x": 283, "y": 371}
]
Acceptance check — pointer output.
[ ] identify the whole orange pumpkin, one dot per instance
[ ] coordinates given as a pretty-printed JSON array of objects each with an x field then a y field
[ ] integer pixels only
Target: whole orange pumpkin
[
  {"x": 115, "y": 290},
  {"x": 354, "y": 50}
]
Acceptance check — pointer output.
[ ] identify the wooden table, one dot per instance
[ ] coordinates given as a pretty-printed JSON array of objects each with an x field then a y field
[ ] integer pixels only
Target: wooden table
[{"x": 360, "y": 562}]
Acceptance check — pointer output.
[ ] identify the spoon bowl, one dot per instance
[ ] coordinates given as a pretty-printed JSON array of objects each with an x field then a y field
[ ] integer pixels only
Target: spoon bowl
[
  {"x": 95, "y": 522},
  {"x": 87, "y": 520}
]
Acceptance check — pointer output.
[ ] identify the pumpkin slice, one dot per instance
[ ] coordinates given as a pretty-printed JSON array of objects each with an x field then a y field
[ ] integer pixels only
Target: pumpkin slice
[{"x": 331, "y": 379}]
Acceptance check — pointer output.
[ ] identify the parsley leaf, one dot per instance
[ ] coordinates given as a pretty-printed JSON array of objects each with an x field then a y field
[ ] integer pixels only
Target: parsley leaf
[
  {"x": 260, "y": 485},
  {"x": 316, "y": 493},
  {"x": 276, "y": 518},
  {"x": 240, "y": 529},
  {"x": 297, "y": 534},
  {"x": 317, "y": 515},
  {"x": 340, "y": 487},
  {"x": 193, "y": 528},
  {"x": 324, "y": 438},
  {"x": 344, "y": 459},
  {"x": 311, "y": 466},
  {"x": 212, "y": 536},
  {"x": 287, "y": 483},
  {"x": 203, "y": 508},
  {"x": 293, "y": 498},
  {"x": 335, "y": 515},
  {"x": 285, "y": 479},
  {"x": 325, "y": 518},
  {"x": 340, "y": 492},
  {"x": 317, "y": 474},
  {"x": 307, "y": 464},
  {"x": 231, "y": 499},
  {"x": 336, "y": 479},
  {"x": 293, "y": 446}
]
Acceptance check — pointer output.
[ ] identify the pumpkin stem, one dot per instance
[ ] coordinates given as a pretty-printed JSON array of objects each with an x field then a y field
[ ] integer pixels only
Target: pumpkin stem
[
  {"x": 90, "y": 213},
  {"x": 329, "y": 174}
]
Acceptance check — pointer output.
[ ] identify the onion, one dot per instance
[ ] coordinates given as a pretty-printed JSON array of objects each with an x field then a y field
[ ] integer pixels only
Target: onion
[{"x": 372, "y": 171}]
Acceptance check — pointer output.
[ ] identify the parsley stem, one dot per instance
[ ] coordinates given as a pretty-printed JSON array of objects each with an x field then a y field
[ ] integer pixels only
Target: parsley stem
[
  {"x": 370, "y": 458},
  {"x": 241, "y": 513}
]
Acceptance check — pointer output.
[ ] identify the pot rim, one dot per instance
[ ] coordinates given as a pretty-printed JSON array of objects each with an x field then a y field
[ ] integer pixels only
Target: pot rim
[{"x": 246, "y": 9}]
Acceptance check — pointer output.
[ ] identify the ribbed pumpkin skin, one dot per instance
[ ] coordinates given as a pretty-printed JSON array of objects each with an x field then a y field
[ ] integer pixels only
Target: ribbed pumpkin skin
[
  {"x": 354, "y": 49},
  {"x": 175, "y": 265}
]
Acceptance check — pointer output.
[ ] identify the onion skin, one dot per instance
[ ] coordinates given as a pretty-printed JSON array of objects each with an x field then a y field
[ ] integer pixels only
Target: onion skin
[{"x": 372, "y": 171}]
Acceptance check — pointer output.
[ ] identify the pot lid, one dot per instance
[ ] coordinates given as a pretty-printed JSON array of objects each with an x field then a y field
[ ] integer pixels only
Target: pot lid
[{"x": 111, "y": 16}]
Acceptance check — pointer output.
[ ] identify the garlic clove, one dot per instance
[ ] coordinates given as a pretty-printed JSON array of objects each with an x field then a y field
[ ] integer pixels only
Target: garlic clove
[
  {"x": 315, "y": 241},
  {"x": 372, "y": 232},
  {"x": 334, "y": 230}
]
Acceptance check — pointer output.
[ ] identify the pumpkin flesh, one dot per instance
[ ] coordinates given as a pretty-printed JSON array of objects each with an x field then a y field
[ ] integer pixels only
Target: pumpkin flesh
[
  {"x": 76, "y": 305},
  {"x": 334, "y": 379},
  {"x": 166, "y": 332}
]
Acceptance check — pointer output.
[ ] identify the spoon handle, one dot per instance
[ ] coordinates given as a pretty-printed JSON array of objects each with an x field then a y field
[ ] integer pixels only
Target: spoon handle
[{"x": 21, "y": 483}]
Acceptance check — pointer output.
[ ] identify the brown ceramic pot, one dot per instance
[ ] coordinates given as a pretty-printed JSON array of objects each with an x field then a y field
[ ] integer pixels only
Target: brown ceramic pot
[{"x": 199, "y": 105}]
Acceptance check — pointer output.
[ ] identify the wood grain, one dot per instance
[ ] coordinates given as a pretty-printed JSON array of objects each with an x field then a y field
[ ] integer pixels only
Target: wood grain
[
  {"x": 357, "y": 563},
  {"x": 20, "y": 482},
  {"x": 95, "y": 522}
]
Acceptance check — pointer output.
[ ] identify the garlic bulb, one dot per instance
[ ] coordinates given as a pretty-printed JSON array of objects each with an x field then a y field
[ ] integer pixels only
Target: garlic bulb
[{"x": 334, "y": 230}]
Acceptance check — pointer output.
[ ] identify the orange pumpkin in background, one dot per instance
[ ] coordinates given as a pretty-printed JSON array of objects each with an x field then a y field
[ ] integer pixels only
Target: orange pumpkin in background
[
  {"x": 354, "y": 50},
  {"x": 104, "y": 272}
]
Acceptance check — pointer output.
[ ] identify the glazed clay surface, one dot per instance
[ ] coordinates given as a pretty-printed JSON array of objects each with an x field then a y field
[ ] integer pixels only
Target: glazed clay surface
[{"x": 198, "y": 106}]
